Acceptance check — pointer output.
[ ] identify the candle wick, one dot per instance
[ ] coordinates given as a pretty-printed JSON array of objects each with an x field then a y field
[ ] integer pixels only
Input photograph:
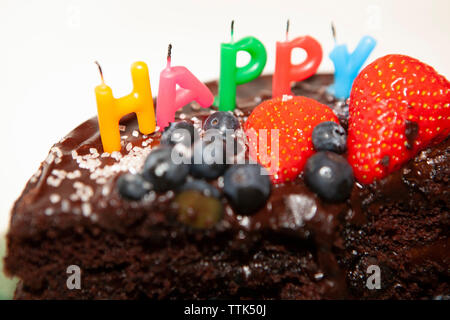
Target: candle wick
[
  {"x": 100, "y": 70},
  {"x": 232, "y": 31},
  {"x": 333, "y": 31},
  {"x": 169, "y": 54},
  {"x": 287, "y": 29}
]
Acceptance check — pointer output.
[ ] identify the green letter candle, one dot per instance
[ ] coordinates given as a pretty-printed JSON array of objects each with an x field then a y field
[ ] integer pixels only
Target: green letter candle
[{"x": 231, "y": 75}]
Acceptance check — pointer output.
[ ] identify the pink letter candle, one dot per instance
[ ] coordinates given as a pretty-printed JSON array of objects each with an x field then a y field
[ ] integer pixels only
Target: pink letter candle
[{"x": 170, "y": 99}]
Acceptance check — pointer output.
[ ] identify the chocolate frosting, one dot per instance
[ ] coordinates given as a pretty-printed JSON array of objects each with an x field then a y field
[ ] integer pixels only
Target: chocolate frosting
[{"x": 75, "y": 187}]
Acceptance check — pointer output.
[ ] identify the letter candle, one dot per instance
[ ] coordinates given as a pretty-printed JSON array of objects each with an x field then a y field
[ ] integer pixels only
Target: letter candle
[
  {"x": 347, "y": 65},
  {"x": 286, "y": 72},
  {"x": 170, "y": 99},
  {"x": 111, "y": 110},
  {"x": 231, "y": 75}
]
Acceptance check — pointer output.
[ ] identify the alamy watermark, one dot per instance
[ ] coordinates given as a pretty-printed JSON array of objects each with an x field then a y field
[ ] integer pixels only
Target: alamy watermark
[
  {"x": 374, "y": 280},
  {"x": 74, "y": 279},
  {"x": 229, "y": 147}
]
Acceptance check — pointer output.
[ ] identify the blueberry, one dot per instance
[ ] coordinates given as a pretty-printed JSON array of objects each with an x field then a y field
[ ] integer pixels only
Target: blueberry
[
  {"x": 246, "y": 187},
  {"x": 179, "y": 132},
  {"x": 201, "y": 186},
  {"x": 198, "y": 205},
  {"x": 329, "y": 136},
  {"x": 161, "y": 170},
  {"x": 132, "y": 186},
  {"x": 222, "y": 121},
  {"x": 208, "y": 160},
  {"x": 329, "y": 175}
]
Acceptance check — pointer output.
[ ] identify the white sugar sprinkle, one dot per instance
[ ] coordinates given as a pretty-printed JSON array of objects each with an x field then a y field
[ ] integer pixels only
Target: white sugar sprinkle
[
  {"x": 116, "y": 155},
  {"x": 135, "y": 133},
  {"x": 65, "y": 205},
  {"x": 73, "y": 175},
  {"x": 101, "y": 180},
  {"x": 105, "y": 191},
  {"x": 57, "y": 152},
  {"x": 50, "y": 158},
  {"x": 36, "y": 176},
  {"x": 220, "y": 182},
  {"x": 54, "y": 182},
  {"x": 131, "y": 162},
  {"x": 86, "y": 209},
  {"x": 286, "y": 97},
  {"x": 238, "y": 112},
  {"x": 54, "y": 198},
  {"x": 83, "y": 192},
  {"x": 122, "y": 128}
]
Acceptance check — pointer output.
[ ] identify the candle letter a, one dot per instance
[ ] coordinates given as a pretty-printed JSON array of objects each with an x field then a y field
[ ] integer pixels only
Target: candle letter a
[{"x": 170, "y": 99}]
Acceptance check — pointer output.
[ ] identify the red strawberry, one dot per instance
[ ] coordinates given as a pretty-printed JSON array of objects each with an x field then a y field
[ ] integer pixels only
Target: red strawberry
[
  {"x": 295, "y": 120},
  {"x": 398, "y": 106}
]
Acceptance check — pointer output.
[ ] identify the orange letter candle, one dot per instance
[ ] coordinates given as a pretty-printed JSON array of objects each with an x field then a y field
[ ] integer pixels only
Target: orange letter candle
[{"x": 111, "y": 110}]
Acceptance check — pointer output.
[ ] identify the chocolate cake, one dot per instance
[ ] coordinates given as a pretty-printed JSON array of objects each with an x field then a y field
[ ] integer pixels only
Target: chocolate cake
[{"x": 296, "y": 246}]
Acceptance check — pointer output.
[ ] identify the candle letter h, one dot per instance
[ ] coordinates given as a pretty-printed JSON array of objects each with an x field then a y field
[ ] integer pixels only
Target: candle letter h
[{"x": 111, "y": 110}]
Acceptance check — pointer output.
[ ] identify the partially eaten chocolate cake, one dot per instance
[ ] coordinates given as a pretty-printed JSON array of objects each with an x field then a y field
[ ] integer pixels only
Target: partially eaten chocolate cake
[{"x": 78, "y": 210}]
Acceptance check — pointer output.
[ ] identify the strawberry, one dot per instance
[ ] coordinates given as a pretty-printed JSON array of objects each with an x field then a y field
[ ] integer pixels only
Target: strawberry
[
  {"x": 398, "y": 106},
  {"x": 295, "y": 119}
]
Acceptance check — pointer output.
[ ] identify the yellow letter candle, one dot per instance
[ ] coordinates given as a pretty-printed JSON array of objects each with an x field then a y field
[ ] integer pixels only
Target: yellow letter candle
[{"x": 111, "y": 110}]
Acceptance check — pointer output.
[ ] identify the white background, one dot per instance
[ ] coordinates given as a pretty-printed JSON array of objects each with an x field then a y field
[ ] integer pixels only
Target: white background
[{"x": 47, "y": 74}]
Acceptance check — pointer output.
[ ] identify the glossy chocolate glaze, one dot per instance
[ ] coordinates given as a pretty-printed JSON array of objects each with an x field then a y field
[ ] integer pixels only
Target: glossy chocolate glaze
[
  {"x": 75, "y": 186},
  {"x": 290, "y": 208}
]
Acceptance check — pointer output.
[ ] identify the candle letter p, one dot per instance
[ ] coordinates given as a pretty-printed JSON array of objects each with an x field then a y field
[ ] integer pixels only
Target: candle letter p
[
  {"x": 231, "y": 76},
  {"x": 286, "y": 72}
]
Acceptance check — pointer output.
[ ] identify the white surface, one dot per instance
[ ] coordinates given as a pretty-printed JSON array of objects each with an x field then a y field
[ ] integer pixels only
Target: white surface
[{"x": 47, "y": 75}]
